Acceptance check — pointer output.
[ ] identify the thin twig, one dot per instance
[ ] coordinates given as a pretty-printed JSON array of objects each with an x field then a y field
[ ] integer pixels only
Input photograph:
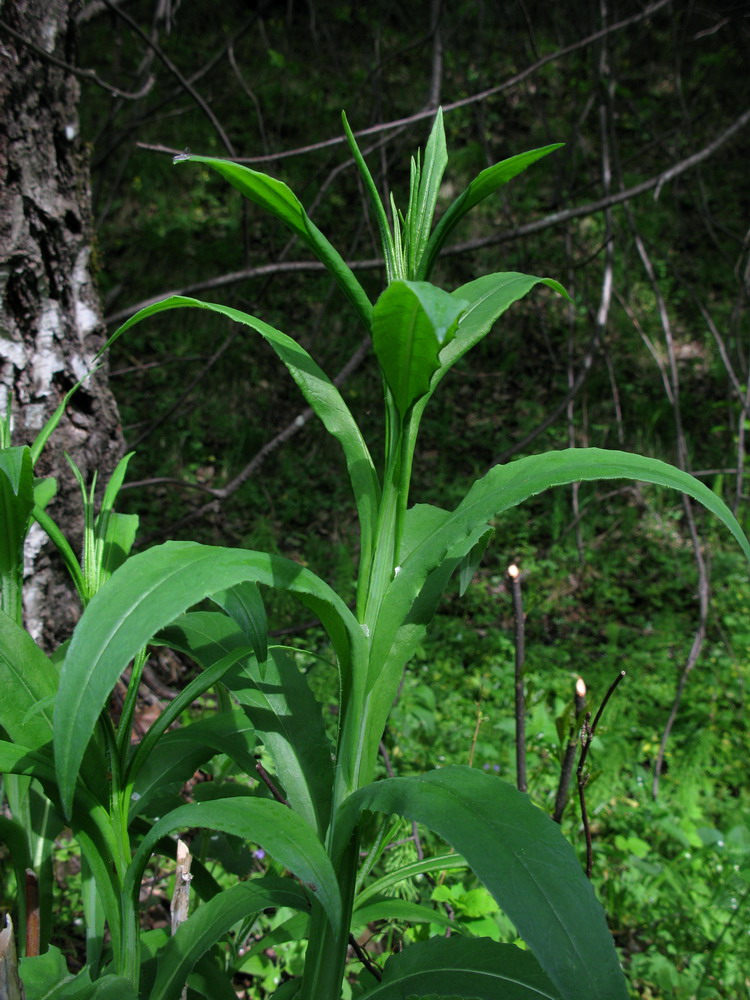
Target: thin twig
[
  {"x": 267, "y": 780},
  {"x": 566, "y": 770},
  {"x": 185, "y": 83},
  {"x": 84, "y": 74},
  {"x": 365, "y": 959}
]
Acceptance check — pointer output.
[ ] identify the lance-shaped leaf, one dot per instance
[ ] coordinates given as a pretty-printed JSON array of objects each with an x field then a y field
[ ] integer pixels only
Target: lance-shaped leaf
[
  {"x": 147, "y": 593},
  {"x": 506, "y": 486},
  {"x": 16, "y": 504},
  {"x": 28, "y": 681},
  {"x": 458, "y": 968},
  {"x": 322, "y": 395},
  {"x": 487, "y": 299},
  {"x": 412, "y": 320},
  {"x": 526, "y": 863},
  {"x": 423, "y": 198},
  {"x": 484, "y": 184},
  {"x": 182, "y": 751},
  {"x": 212, "y": 921},
  {"x": 245, "y": 607},
  {"x": 278, "y": 829},
  {"x": 280, "y": 705},
  {"x": 280, "y": 201}
]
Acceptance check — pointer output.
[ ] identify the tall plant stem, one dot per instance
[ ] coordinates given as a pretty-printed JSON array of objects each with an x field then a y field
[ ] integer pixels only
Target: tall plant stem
[{"x": 325, "y": 960}]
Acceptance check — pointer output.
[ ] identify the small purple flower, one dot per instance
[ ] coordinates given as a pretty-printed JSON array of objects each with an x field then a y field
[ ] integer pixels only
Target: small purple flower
[{"x": 259, "y": 854}]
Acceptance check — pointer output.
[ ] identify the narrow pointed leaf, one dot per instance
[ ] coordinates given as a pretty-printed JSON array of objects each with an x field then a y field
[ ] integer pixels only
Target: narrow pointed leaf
[
  {"x": 278, "y": 829},
  {"x": 280, "y": 705},
  {"x": 16, "y": 504},
  {"x": 456, "y": 967},
  {"x": 322, "y": 395},
  {"x": 182, "y": 751},
  {"x": 27, "y": 680},
  {"x": 526, "y": 863},
  {"x": 117, "y": 542},
  {"x": 506, "y": 486},
  {"x": 411, "y": 321},
  {"x": 244, "y": 605},
  {"x": 392, "y": 261},
  {"x": 211, "y": 921},
  {"x": 280, "y": 201},
  {"x": 147, "y": 593},
  {"x": 483, "y": 185},
  {"x": 422, "y": 212}
]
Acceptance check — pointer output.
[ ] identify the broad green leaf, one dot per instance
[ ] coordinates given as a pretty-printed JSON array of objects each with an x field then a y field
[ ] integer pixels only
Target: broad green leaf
[
  {"x": 322, "y": 395},
  {"x": 16, "y": 504},
  {"x": 148, "y": 592},
  {"x": 211, "y": 921},
  {"x": 278, "y": 702},
  {"x": 422, "y": 208},
  {"x": 484, "y": 184},
  {"x": 46, "y": 977},
  {"x": 27, "y": 680},
  {"x": 245, "y": 607},
  {"x": 488, "y": 298},
  {"x": 289, "y": 721},
  {"x": 182, "y": 751},
  {"x": 118, "y": 541},
  {"x": 275, "y": 197},
  {"x": 278, "y": 829},
  {"x": 524, "y": 860},
  {"x": 411, "y": 321},
  {"x": 506, "y": 486},
  {"x": 459, "y": 968}
]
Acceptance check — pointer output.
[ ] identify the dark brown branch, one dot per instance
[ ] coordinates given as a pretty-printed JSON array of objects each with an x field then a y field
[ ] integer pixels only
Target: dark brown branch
[{"x": 566, "y": 770}]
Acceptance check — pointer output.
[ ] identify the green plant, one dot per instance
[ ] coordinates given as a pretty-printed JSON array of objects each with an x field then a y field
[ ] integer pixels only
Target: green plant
[{"x": 322, "y": 815}]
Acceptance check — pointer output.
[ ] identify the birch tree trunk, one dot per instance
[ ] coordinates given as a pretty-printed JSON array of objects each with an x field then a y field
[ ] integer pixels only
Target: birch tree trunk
[{"x": 50, "y": 320}]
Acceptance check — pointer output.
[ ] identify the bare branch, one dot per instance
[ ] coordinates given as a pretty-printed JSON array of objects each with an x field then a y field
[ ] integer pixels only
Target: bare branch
[{"x": 84, "y": 74}]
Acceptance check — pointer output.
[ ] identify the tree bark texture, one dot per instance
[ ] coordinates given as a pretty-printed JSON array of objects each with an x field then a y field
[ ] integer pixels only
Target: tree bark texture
[{"x": 50, "y": 320}]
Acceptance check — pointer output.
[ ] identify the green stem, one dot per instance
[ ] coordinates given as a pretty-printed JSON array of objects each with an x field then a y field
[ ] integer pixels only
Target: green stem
[
  {"x": 12, "y": 592},
  {"x": 325, "y": 960},
  {"x": 128, "y": 709}
]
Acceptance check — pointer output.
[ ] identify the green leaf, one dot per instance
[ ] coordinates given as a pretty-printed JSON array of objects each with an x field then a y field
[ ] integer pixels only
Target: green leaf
[
  {"x": 278, "y": 829},
  {"x": 211, "y": 921},
  {"x": 483, "y": 185},
  {"x": 16, "y": 504},
  {"x": 526, "y": 863},
  {"x": 506, "y": 486},
  {"x": 117, "y": 542},
  {"x": 289, "y": 721},
  {"x": 393, "y": 908},
  {"x": 245, "y": 607},
  {"x": 182, "y": 751},
  {"x": 411, "y": 321},
  {"x": 280, "y": 201},
  {"x": 46, "y": 977},
  {"x": 423, "y": 202},
  {"x": 393, "y": 263},
  {"x": 27, "y": 680},
  {"x": 322, "y": 395},
  {"x": 280, "y": 705},
  {"x": 463, "y": 968},
  {"x": 148, "y": 592}
]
